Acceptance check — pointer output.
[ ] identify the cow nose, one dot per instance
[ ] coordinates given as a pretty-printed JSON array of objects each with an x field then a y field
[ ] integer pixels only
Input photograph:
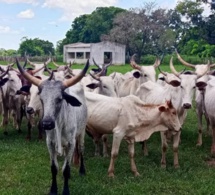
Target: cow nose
[
  {"x": 187, "y": 106},
  {"x": 30, "y": 110},
  {"x": 48, "y": 124}
]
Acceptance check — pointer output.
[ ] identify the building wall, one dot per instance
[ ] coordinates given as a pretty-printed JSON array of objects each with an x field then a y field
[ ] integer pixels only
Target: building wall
[
  {"x": 118, "y": 52},
  {"x": 96, "y": 51}
]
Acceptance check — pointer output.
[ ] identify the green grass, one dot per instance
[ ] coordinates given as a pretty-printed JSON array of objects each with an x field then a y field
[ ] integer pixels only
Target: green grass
[{"x": 25, "y": 169}]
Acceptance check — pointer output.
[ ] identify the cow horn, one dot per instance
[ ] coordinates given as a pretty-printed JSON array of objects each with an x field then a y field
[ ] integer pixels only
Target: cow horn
[
  {"x": 173, "y": 69},
  {"x": 107, "y": 65},
  {"x": 5, "y": 72},
  {"x": 184, "y": 62},
  {"x": 157, "y": 62},
  {"x": 31, "y": 63},
  {"x": 133, "y": 63},
  {"x": 95, "y": 77},
  {"x": 51, "y": 76},
  {"x": 96, "y": 64},
  {"x": 162, "y": 72},
  {"x": 37, "y": 70},
  {"x": 77, "y": 78},
  {"x": 27, "y": 76},
  {"x": 54, "y": 63}
]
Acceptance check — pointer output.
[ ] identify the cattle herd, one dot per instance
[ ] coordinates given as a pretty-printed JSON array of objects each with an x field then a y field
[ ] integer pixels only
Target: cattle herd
[{"x": 131, "y": 106}]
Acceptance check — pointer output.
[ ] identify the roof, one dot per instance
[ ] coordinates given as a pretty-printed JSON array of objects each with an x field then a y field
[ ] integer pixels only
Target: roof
[{"x": 79, "y": 44}]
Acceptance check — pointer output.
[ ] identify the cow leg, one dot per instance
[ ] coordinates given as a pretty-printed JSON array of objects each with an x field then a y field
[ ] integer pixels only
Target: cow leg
[
  {"x": 105, "y": 145},
  {"x": 69, "y": 151},
  {"x": 82, "y": 170},
  {"x": 176, "y": 140},
  {"x": 54, "y": 166},
  {"x": 40, "y": 131},
  {"x": 145, "y": 148},
  {"x": 131, "y": 154},
  {"x": 117, "y": 138},
  {"x": 28, "y": 137},
  {"x": 164, "y": 147},
  {"x": 5, "y": 119},
  {"x": 213, "y": 141},
  {"x": 97, "y": 148},
  {"x": 199, "y": 116}
]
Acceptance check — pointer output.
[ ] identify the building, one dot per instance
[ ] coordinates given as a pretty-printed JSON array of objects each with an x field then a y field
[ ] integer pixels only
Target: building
[{"x": 102, "y": 52}]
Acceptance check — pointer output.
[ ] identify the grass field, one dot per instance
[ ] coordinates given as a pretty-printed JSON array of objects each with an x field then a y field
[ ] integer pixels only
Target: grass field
[{"x": 25, "y": 169}]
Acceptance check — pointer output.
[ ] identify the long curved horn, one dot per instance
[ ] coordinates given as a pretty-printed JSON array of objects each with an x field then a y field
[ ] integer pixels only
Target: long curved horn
[
  {"x": 133, "y": 63},
  {"x": 15, "y": 70},
  {"x": 31, "y": 63},
  {"x": 162, "y": 72},
  {"x": 51, "y": 76},
  {"x": 5, "y": 72},
  {"x": 77, "y": 78},
  {"x": 95, "y": 77},
  {"x": 107, "y": 65},
  {"x": 27, "y": 76},
  {"x": 55, "y": 63},
  {"x": 184, "y": 62},
  {"x": 173, "y": 69},
  {"x": 157, "y": 62},
  {"x": 48, "y": 61},
  {"x": 96, "y": 63},
  {"x": 37, "y": 70}
]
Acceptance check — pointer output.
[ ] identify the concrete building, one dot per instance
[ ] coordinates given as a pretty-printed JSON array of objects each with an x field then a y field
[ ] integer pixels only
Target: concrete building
[{"x": 102, "y": 52}]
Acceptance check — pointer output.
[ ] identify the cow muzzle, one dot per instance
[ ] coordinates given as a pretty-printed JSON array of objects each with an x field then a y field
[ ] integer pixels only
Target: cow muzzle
[
  {"x": 48, "y": 124},
  {"x": 186, "y": 106},
  {"x": 30, "y": 110}
]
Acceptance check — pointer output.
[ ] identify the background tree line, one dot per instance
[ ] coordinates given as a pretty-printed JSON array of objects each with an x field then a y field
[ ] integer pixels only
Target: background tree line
[{"x": 147, "y": 30}]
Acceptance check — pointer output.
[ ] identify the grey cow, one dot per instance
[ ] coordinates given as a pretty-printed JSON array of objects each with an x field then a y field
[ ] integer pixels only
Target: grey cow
[{"x": 64, "y": 119}]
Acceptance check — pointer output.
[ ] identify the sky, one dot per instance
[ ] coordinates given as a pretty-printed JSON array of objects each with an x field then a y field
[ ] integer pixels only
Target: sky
[{"x": 49, "y": 20}]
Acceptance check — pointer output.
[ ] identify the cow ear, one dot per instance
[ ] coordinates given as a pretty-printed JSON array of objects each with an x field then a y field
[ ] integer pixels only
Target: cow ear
[
  {"x": 3, "y": 81},
  {"x": 71, "y": 100},
  {"x": 92, "y": 85},
  {"x": 25, "y": 88},
  {"x": 175, "y": 83},
  {"x": 201, "y": 85},
  {"x": 136, "y": 74},
  {"x": 162, "y": 108}
]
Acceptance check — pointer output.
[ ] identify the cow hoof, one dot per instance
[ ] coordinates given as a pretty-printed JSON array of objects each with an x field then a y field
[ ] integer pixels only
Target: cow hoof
[
  {"x": 199, "y": 144},
  {"x": 28, "y": 138},
  {"x": 111, "y": 175},
  {"x": 19, "y": 131},
  {"x": 136, "y": 174},
  {"x": 5, "y": 133},
  {"x": 163, "y": 166},
  {"x": 177, "y": 166}
]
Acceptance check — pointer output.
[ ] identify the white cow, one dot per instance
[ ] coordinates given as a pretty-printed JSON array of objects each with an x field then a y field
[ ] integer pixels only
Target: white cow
[
  {"x": 64, "y": 119},
  {"x": 180, "y": 88},
  {"x": 199, "y": 70},
  {"x": 128, "y": 118}
]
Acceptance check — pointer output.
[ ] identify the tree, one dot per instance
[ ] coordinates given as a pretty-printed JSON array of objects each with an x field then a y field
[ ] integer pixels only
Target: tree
[
  {"x": 140, "y": 29},
  {"x": 89, "y": 28},
  {"x": 35, "y": 47}
]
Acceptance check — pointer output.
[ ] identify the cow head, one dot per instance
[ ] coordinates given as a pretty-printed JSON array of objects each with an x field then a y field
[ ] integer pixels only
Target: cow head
[
  {"x": 169, "y": 116},
  {"x": 104, "y": 84},
  {"x": 188, "y": 84},
  {"x": 144, "y": 73},
  {"x": 52, "y": 95}
]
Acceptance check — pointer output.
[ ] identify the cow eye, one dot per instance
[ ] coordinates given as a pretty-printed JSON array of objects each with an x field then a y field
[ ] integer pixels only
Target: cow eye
[
  {"x": 104, "y": 86},
  {"x": 194, "y": 87},
  {"x": 181, "y": 87},
  {"x": 145, "y": 75},
  {"x": 11, "y": 80},
  {"x": 59, "y": 100},
  {"x": 174, "y": 112}
]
